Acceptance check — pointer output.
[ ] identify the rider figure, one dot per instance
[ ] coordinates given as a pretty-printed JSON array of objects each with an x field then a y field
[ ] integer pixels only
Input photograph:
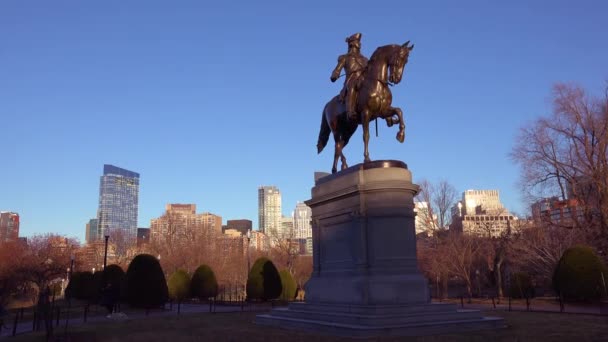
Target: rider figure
[{"x": 354, "y": 64}]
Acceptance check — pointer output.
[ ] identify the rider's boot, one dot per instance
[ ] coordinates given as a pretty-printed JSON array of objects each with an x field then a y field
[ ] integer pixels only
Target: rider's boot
[
  {"x": 342, "y": 96},
  {"x": 350, "y": 107}
]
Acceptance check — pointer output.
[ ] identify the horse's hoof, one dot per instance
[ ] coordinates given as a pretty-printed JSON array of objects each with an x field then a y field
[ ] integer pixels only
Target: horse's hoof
[
  {"x": 344, "y": 167},
  {"x": 367, "y": 160},
  {"x": 389, "y": 122},
  {"x": 333, "y": 170},
  {"x": 401, "y": 136}
]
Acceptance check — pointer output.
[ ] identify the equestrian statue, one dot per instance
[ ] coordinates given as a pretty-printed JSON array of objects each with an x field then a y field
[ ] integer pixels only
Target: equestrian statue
[{"x": 365, "y": 96}]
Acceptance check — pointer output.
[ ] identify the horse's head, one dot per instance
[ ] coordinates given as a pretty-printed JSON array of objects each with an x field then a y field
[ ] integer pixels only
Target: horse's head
[{"x": 398, "y": 61}]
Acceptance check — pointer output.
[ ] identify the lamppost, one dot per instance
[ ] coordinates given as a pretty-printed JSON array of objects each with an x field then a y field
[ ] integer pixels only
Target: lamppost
[
  {"x": 437, "y": 287},
  {"x": 478, "y": 283},
  {"x": 71, "y": 269},
  {"x": 248, "y": 252},
  {"x": 93, "y": 270},
  {"x": 105, "y": 253}
]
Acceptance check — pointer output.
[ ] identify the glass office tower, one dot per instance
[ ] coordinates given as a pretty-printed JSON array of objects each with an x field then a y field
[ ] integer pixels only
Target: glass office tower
[{"x": 118, "y": 201}]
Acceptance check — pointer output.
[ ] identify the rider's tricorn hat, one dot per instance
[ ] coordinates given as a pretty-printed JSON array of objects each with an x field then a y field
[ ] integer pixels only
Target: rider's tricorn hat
[{"x": 354, "y": 39}]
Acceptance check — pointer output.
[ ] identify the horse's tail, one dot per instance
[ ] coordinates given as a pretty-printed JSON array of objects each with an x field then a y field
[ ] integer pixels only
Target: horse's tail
[{"x": 323, "y": 133}]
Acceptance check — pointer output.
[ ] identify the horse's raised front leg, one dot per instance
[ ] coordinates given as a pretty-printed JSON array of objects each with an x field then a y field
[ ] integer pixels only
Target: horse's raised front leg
[
  {"x": 365, "y": 122},
  {"x": 401, "y": 133}
]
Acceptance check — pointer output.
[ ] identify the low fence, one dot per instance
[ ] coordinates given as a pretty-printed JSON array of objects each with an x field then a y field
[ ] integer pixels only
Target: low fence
[{"x": 535, "y": 304}]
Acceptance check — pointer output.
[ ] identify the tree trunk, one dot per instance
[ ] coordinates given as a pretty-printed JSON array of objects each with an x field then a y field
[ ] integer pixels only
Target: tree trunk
[
  {"x": 444, "y": 281},
  {"x": 499, "y": 280},
  {"x": 469, "y": 290}
]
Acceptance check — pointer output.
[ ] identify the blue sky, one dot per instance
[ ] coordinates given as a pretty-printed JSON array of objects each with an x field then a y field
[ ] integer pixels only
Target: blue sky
[{"x": 209, "y": 100}]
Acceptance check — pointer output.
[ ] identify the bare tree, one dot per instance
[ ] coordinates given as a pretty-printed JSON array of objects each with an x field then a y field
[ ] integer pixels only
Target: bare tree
[
  {"x": 11, "y": 254},
  {"x": 463, "y": 253},
  {"x": 285, "y": 248},
  {"x": 443, "y": 200},
  {"x": 538, "y": 249},
  {"x": 566, "y": 154},
  {"x": 432, "y": 260},
  {"x": 46, "y": 258},
  {"x": 440, "y": 199}
]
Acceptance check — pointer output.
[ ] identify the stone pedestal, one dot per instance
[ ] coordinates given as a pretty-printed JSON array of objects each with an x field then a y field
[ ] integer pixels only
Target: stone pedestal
[{"x": 365, "y": 279}]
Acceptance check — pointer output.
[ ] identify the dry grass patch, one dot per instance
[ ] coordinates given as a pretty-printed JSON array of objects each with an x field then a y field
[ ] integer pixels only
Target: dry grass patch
[{"x": 522, "y": 326}]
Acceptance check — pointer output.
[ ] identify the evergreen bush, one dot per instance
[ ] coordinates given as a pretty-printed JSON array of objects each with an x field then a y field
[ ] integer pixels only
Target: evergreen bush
[
  {"x": 203, "y": 284},
  {"x": 146, "y": 284},
  {"x": 263, "y": 281},
  {"x": 81, "y": 286},
  {"x": 179, "y": 285},
  {"x": 289, "y": 286},
  {"x": 94, "y": 289},
  {"x": 578, "y": 275},
  {"x": 114, "y": 275}
]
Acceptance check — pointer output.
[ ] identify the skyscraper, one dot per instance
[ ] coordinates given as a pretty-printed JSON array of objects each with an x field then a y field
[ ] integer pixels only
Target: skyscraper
[
  {"x": 9, "y": 226},
  {"x": 301, "y": 217},
  {"x": 269, "y": 209},
  {"x": 118, "y": 201},
  {"x": 91, "y": 231}
]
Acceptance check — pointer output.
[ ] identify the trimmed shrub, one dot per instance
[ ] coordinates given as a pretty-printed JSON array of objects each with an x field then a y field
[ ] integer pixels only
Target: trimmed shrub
[
  {"x": 146, "y": 284},
  {"x": 263, "y": 281},
  {"x": 179, "y": 285},
  {"x": 521, "y": 286},
  {"x": 72, "y": 289},
  {"x": 203, "y": 284},
  {"x": 114, "y": 275},
  {"x": 578, "y": 275},
  {"x": 289, "y": 286},
  {"x": 81, "y": 286},
  {"x": 94, "y": 290}
]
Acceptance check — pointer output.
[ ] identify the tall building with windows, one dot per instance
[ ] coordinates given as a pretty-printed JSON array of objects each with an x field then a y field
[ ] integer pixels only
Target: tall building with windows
[
  {"x": 481, "y": 213},
  {"x": 286, "y": 231},
  {"x": 9, "y": 226},
  {"x": 482, "y": 202},
  {"x": 269, "y": 209},
  {"x": 181, "y": 223},
  {"x": 243, "y": 226},
  {"x": 556, "y": 212},
  {"x": 302, "y": 217},
  {"x": 118, "y": 201},
  {"x": 90, "y": 233}
]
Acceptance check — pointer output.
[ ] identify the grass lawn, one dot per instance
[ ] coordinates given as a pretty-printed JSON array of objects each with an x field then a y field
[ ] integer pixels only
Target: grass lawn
[{"x": 521, "y": 326}]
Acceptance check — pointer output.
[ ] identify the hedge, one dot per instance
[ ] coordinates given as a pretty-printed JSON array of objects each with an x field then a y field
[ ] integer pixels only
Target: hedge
[
  {"x": 263, "y": 281},
  {"x": 578, "y": 275},
  {"x": 146, "y": 284},
  {"x": 203, "y": 284}
]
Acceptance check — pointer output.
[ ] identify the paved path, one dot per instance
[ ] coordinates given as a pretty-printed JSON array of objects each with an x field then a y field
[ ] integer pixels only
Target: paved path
[{"x": 100, "y": 316}]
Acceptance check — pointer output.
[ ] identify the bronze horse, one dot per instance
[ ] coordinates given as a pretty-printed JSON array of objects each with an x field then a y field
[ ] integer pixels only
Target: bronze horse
[{"x": 374, "y": 99}]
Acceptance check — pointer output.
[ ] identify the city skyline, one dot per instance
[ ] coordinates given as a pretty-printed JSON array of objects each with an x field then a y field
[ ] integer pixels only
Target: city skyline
[{"x": 88, "y": 84}]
